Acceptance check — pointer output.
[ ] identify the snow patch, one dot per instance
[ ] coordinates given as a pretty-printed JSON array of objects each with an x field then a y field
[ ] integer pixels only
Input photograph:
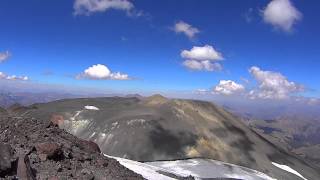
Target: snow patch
[
  {"x": 91, "y": 108},
  {"x": 114, "y": 125},
  {"x": 147, "y": 171},
  {"x": 289, "y": 169},
  {"x": 134, "y": 121},
  {"x": 207, "y": 168},
  {"x": 198, "y": 168},
  {"x": 94, "y": 133},
  {"x": 109, "y": 137},
  {"x": 73, "y": 118}
]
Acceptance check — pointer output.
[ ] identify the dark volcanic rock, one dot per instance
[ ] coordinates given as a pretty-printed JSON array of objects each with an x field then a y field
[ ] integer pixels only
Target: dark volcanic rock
[
  {"x": 56, "y": 120},
  {"x": 24, "y": 170},
  {"x": 6, "y": 155},
  {"x": 89, "y": 146},
  {"x": 49, "y": 152}
]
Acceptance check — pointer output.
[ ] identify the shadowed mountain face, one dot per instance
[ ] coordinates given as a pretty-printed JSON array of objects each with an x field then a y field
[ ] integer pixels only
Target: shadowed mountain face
[
  {"x": 294, "y": 126},
  {"x": 299, "y": 135},
  {"x": 156, "y": 128}
]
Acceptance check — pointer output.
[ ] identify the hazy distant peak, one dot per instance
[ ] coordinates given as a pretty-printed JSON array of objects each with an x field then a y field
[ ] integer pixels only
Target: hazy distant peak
[
  {"x": 134, "y": 95},
  {"x": 3, "y": 111},
  {"x": 157, "y": 96},
  {"x": 156, "y": 99},
  {"x": 14, "y": 106}
]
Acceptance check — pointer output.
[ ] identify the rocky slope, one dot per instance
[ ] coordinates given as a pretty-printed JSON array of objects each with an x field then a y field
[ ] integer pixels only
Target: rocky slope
[
  {"x": 32, "y": 148},
  {"x": 299, "y": 135},
  {"x": 294, "y": 125},
  {"x": 157, "y": 128}
]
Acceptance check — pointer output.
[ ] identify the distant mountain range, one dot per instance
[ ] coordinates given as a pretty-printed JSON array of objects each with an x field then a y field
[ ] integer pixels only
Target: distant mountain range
[
  {"x": 298, "y": 135},
  {"x": 27, "y": 98},
  {"x": 294, "y": 126}
]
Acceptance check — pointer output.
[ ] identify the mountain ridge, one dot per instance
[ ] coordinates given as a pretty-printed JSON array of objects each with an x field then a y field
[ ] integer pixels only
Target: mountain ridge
[{"x": 131, "y": 128}]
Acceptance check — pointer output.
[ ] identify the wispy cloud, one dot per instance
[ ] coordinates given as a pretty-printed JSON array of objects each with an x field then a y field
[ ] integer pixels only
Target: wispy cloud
[
  {"x": 87, "y": 7},
  {"x": 201, "y": 91},
  {"x": 47, "y": 73},
  {"x": 4, "y": 56},
  {"x": 249, "y": 15},
  {"x": 186, "y": 29}
]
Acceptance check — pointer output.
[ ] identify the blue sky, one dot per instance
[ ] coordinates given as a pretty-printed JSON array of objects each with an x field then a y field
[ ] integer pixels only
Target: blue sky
[{"x": 53, "y": 42}]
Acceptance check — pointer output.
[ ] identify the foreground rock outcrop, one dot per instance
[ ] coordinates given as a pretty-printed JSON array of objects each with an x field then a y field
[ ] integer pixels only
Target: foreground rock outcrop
[
  {"x": 6, "y": 156},
  {"x": 37, "y": 149}
]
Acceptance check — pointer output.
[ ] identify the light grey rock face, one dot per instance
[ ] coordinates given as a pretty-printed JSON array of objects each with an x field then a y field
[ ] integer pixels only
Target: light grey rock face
[{"x": 156, "y": 128}]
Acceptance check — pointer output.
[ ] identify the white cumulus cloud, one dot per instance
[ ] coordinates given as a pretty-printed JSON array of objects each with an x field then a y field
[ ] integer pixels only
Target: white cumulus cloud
[
  {"x": 202, "y": 65},
  {"x": 228, "y": 87},
  {"x": 87, "y": 7},
  {"x": 102, "y": 72},
  {"x": 272, "y": 85},
  {"x": 185, "y": 28},
  {"x": 281, "y": 14},
  {"x": 202, "y": 58},
  {"x": 4, "y": 76},
  {"x": 4, "y": 56},
  {"x": 206, "y": 52}
]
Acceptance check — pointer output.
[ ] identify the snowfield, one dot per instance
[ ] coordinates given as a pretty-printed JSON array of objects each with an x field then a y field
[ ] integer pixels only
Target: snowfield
[
  {"x": 147, "y": 171},
  {"x": 289, "y": 169},
  {"x": 91, "y": 108},
  {"x": 198, "y": 168},
  {"x": 207, "y": 168}
]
